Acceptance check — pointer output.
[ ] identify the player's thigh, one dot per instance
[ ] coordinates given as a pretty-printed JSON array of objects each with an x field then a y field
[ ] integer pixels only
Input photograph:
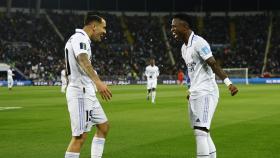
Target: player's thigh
[
  {"x": 201, "y": 110},
  {"x": 96, "y": 113},
  {"x": 149, "y": 84},
  {"x": 10, "y": 81},
  {"x": 154, "y": 84}
]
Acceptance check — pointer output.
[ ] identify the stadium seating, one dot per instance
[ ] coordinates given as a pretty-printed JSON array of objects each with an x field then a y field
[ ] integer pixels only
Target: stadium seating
[{"x": 39, "y": 52}]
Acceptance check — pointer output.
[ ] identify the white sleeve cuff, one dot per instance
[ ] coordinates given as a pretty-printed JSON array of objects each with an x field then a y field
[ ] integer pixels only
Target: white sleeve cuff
[{"x": 227, "y": 81}]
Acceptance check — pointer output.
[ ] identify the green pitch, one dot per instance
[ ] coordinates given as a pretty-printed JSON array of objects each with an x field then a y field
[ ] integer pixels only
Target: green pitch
[{"x": 244, "y": 126}]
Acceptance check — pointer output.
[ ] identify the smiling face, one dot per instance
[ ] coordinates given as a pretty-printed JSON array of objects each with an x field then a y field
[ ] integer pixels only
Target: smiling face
[
  {"x": 99, "y": 30},
  {"x": 179, "y": 29}
]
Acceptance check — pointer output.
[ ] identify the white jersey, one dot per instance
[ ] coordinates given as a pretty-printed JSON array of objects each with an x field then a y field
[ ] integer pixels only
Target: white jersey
[
  {"x": 10, "y": 74},
  {"x": 63, "y": 76},
  {"x": 152, "y": 72},
  {"x": 77, "y": 44},
  {"x": 202, "y": 78}
]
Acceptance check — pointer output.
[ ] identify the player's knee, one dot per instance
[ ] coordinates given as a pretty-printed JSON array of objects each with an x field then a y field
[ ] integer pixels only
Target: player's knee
[
  {"x": 153, "y": 89},
  {"x": 200, "y": 133},
  {"x": 201, "y": 128},
  {"x": 79, "y": 140},
  {"x": 149, "y": 90},
  {"x": 103, "y": 129}
]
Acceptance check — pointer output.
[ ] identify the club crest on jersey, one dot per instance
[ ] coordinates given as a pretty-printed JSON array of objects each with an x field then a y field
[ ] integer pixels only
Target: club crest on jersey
[
  {"x": 83, "y": 46},
  {"x": 191, "y": 66}
]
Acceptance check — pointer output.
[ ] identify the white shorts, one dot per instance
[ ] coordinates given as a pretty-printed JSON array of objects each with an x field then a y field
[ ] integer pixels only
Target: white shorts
[
  {"x": 63, "y": 87},
  {"x": 201, "y": 110},
  {"x": 151, "y": 84},
  {"x": 10, "y": 82},
  {"x": 85, "y": 112}
]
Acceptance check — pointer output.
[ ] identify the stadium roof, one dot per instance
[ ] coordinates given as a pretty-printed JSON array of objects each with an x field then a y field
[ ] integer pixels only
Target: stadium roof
[{"x": 152, "y": 5}]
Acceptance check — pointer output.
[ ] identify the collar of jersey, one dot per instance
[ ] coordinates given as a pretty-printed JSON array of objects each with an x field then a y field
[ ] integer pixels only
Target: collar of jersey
[
  {"x": 190, "y": 39},
  {"x": 84, "y": 33}
]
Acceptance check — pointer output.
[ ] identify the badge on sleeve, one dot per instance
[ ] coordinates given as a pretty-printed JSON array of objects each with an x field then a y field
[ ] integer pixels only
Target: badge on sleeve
[
  {"x": 205, "y": 50},
  {"x": 83, "y": 46}
]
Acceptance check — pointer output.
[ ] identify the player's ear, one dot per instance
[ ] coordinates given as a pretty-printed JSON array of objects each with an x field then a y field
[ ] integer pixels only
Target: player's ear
[{"x": 93, "y": 26}]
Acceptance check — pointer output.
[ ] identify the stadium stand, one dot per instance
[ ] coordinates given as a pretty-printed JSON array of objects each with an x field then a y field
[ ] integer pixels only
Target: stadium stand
[{"x": 237, "y": 41}]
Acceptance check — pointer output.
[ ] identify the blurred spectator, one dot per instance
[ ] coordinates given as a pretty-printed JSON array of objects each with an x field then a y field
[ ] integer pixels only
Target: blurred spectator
[
  {"x": 180, "y": 77},
  {"x": 32, "y": 46}
]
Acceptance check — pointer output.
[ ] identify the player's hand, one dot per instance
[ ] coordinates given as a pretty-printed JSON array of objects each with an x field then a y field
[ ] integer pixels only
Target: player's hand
[
  {"x": 233, "y": 90},
  {"x": 103, "y": 90}
]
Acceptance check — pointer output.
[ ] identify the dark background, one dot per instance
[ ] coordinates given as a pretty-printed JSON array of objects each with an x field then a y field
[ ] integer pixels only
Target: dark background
[{"x": 151, "y": 5}]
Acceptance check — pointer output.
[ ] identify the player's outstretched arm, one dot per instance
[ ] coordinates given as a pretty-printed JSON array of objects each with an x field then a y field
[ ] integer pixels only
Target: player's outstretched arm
[
  {"x": 87, "y": 67},
  {"x": 222, "y": 75}
]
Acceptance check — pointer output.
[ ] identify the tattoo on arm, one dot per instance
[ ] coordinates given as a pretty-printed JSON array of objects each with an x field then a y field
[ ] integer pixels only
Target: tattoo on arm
[{"x": 87, "y": 67}]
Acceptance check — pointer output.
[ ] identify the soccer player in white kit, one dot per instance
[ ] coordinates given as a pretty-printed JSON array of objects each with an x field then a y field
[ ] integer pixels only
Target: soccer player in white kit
[
  {"x": 10, "y": 79},
  {"x": 63, "y": 80},
  {"x": 203, "y": 92},
  {"x": 83, "y": 105},
  {"x": 152, "y": 72}
]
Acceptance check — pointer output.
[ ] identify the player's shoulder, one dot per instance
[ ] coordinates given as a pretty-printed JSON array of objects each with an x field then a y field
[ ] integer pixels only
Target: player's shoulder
[
  {"x": 183, "y": 47},
  {"x": 79, "y": 36},
  {"x": 147, "y": 67},
  {"x": 198, "y": 40}
]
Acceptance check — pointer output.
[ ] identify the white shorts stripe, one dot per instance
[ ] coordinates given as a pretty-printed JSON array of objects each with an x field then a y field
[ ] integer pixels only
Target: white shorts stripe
[
  {"x": 206, "y": 109},
  {"x": 80, "y": 113},
  {"x": 83, "y": 114}
]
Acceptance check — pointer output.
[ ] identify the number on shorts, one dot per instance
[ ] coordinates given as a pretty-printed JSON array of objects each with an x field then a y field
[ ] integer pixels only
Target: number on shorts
[{"x": 89, "y": 115}]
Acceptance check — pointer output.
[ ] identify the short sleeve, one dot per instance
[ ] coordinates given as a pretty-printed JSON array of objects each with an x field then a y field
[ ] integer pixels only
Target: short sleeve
[
  {"x": 146, "y": 71},
  {"x": 79, "y": 45},
  {"x": 203, "y": 49}
]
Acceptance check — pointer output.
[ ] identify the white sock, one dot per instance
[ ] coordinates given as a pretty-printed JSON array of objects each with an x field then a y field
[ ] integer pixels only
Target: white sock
[
  {"x": 212, "y": 148},
  {"x": 202, "y": 148},
  {"x": 72, "y": 155},
  {"x": 97, "y": 147},
  {"x": 153, "y": 96}
]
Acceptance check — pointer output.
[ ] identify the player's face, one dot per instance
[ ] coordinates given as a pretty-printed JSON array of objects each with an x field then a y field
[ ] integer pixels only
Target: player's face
[
  {"x": 152, "y": 62},
  {"x": 178, "y": 29},
  {"x": 99, "y": 31}
]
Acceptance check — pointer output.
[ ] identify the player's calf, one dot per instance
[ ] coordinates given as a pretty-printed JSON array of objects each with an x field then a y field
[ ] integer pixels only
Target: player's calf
[
  {"x": 148, "y": 94},
  {"x": 202, "y": 148},
  {"x": 201, "y": 131},
  {"x": 212, "y": 148},
  {"x": 77, "y": 142},
  {"x": 98, "y": 141},
  {"x": 74, "y": 148}
]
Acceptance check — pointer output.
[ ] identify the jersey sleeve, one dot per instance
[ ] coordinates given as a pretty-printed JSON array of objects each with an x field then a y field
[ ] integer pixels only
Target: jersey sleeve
[
  {"x": 203, "y": 49},
  {"x": 79, "y": 45},
  {"x": 157, "y": 72},
  {"x": 146, "y": 71}
]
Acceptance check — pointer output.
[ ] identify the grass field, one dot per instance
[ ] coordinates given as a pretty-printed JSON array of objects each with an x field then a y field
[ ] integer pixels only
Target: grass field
[{"x": 244, "y": 126}]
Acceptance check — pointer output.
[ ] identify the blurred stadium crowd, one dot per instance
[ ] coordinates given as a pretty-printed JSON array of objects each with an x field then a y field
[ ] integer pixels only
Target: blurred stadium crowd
[{"x": 31, "y": 44}]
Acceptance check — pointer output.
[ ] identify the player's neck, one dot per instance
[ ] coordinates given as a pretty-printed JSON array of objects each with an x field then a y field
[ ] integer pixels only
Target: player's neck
[
  {"x": 88, "y": 31},
  {"x": 187, "y": 36}
]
